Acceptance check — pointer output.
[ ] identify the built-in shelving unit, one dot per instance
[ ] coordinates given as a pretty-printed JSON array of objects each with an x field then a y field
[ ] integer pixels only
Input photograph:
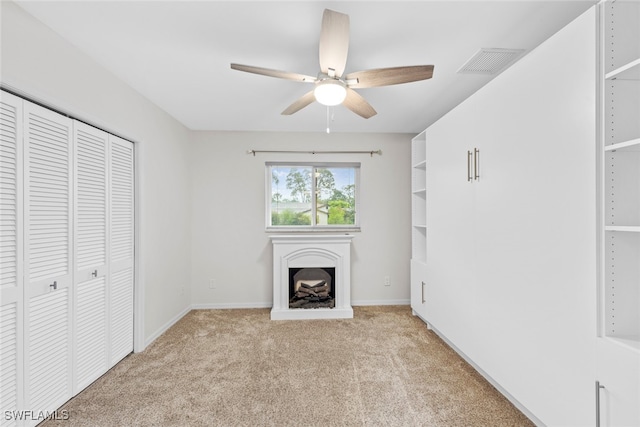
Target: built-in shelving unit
[
  {"x": 419, "y": 198},
  {"x": 620, "y": 293},
  {"x": 618, "y": 343},
  {"x": 419, "y": 224}
]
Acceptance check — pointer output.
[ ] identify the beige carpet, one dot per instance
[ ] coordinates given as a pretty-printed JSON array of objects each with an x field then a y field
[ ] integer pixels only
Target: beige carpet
[{"x": 238, "y": 368}]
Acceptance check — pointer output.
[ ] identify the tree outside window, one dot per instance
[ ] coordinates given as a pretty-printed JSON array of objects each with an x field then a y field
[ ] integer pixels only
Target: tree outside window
[{"x": 313, "y": 195}]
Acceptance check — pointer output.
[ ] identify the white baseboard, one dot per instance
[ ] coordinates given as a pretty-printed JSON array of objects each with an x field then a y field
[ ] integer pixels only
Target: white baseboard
[
  {"x": 269, "y": 304},
  {"x": 166, "y": 326},
  {"x": 229, "y": 305},
  {"x": 486, "y": 376},
  {"x": 381, "y": 302}
]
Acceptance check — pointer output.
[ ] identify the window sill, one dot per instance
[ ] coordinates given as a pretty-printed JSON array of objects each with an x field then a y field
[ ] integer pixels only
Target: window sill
[{"x": 312, "y": 229}]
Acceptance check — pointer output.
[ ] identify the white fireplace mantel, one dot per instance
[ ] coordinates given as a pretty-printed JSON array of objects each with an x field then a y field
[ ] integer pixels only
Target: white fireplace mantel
[{"x": 311, "y": 251}]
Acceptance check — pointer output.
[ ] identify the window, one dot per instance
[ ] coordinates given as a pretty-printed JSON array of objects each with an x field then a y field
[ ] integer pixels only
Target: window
[{"x": 312, "y": 196}]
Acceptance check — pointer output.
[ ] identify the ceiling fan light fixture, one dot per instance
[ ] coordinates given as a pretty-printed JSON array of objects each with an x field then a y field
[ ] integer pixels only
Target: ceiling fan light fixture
[{"x": 330, "y": 92}]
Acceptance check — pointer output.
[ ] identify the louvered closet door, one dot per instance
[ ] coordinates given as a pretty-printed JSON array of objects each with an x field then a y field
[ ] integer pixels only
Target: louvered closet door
[
  {"x": 121, "y": 248},
  {"x": 90, "y": 249},
  {"x": 47, "y": 191},
  {"x": 11, "y": 285}
]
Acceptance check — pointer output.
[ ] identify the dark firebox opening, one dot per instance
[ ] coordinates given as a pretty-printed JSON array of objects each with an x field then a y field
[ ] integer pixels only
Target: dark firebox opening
[{"x": 308, "y": 298}]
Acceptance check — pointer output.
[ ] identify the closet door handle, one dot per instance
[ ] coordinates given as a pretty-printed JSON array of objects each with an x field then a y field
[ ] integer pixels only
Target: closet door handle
[
  {"x": 476, "y": 164},
  {"x": 94, "y": 273},
  {"x": 54, "y": 285},
  {"x": 423, "y": 300},
  {"x": 469, "y": 155},
  {"x": 598, "y": 387}
]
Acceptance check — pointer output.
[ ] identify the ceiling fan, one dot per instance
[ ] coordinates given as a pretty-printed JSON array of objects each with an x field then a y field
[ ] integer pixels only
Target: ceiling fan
[{"x": 331, "y": 87}]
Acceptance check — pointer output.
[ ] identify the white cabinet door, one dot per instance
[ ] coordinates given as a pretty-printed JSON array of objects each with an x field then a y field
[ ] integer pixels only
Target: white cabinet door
[
  {"x": 48, "y": 258},
  {"x": 121, "y": 248},
  {"x": 619, "y": 374},
  {"x": 419, "y": 289},
  {"x": 450, "y": 232},
  {"x": 90, "y": 249},
  {"x": 11, "y": 285}
]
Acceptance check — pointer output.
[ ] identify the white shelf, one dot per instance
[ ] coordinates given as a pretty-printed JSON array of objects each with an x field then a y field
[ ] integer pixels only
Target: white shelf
[
  {"x": 629, "y": 341},
  {"x": 421, "y": 165},
  {"x": 419, "y": 197},
  {"x": 626, "y": 228},
  {"x": 631, "y": 145},
  {"x": 630, "y": 71}
]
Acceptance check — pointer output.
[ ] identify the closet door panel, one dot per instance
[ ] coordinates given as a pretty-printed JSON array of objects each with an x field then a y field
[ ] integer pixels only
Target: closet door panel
[
  {"x": 11, "y": 285},
  {"x": 48, "y": 271},
  {"x": 48, "y": 373},
  {"x": 10, "y": 359},
  {"x": 90, "y": 303},
  {"x": 121, "y": 248}
]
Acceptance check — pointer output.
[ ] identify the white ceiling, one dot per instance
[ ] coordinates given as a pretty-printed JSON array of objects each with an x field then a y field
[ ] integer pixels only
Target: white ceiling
[{"x": 177, "y": 53}]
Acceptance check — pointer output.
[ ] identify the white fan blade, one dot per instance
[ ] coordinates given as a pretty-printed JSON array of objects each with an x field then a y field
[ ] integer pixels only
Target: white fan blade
[
  {"x": 273, "y": 73},
  {"x": 334, "y": 42},
  {"x": 358, "y": 104},
  {"x": 389, "y": 76},
  {"x": 299, "y": 104}
]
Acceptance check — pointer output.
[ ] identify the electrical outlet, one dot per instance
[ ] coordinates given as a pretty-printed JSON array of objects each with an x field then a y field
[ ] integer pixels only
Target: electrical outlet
[
  {"x": 212, "y": 284},
  {"x": 387, "y": 282}
]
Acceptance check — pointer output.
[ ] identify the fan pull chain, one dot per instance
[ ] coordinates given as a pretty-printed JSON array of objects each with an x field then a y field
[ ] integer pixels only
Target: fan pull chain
[
  {"x": 330, "y": 118},
  {"x": 328, "y": 129}
]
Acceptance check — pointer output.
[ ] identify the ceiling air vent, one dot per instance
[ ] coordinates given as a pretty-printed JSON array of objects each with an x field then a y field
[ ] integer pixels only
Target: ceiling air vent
[{"x": 490, "y": 60}]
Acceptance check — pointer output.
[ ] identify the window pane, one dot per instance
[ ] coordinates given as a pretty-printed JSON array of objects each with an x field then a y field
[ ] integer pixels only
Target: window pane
[
  {"x": 291, "y": 195},
  {"x": 335, "y": 196}
]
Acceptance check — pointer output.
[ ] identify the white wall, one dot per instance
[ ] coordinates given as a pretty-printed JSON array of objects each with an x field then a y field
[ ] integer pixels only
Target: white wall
[
  {"x": 39, "y": 64},
  {"x": 229, "y": 241}
]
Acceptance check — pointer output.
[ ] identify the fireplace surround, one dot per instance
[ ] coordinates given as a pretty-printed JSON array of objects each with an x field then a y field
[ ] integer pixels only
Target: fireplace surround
[{"x": 321, "y": 251}]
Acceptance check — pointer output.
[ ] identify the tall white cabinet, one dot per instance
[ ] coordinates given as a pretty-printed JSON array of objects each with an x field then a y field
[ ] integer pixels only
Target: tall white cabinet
[
  {"x": 66, "y": 230},
  {"x": 618, "y": 344},
  {"x": 510, "y": 262}
]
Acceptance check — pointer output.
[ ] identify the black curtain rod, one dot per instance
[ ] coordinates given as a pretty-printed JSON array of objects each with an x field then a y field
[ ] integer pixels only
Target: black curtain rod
[{"x": 371, "y": 153}]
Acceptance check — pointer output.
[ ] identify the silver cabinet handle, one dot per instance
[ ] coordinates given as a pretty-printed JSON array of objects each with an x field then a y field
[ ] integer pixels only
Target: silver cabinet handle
[
  {"x": 423, "y": 300},
  {"x": 469, "y": 155},
  {"x": 54, "y": 285},
  {"x": 476, "y": 164},
  {"x": 598, "y": 387}
]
